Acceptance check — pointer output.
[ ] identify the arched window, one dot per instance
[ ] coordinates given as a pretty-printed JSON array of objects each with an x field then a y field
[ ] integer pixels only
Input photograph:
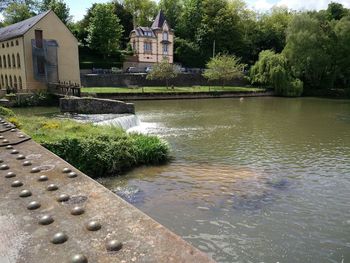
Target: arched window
[
  {"x": 11, "y": 83},
  {"x": 9, "y": 61},
  {"x": 11, "y": 43},
  {"x": 15, "y": 82},
  {"x": 7, "y": 44},
  {"x": 18, "y": 61},
  {"x": 0, "y": 61},
  {"x": 6, "y": 82},
  {"x": 13, "y": 61},
  {"x": 4, "y": 60},
  {"x": 17, "y": 43},
  {"x": 20, "y": 82}
]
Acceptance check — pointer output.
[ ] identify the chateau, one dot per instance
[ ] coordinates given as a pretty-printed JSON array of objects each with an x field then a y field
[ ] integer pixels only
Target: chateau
[
  {"x": 35, "y": 52},
  {"x": 151, "y": 44}
]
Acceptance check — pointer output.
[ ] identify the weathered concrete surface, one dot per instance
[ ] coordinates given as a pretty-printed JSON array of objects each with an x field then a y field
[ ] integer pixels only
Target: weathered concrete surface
[
  {"x": 23, "y": 239},
  {"x": 95, "y": 106}
]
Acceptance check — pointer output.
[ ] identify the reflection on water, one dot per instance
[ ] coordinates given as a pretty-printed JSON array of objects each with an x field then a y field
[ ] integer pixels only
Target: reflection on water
[{"x": 259, "y": 180}]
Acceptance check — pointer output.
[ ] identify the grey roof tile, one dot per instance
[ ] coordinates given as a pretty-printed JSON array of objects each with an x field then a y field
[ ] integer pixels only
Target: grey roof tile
[{"x": 20, "y": 28}]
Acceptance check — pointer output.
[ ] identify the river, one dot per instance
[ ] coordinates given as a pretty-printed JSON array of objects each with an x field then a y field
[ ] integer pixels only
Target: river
[{"x": 252, "y": 180}]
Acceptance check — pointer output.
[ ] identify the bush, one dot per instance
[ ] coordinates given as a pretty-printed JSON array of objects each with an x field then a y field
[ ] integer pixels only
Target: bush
[
  {"x": 96, "y": 150},
  {"x": 5, "y": 112}
]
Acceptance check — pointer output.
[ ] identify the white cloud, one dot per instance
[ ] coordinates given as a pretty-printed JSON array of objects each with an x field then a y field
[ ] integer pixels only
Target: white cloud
[{"x": 295, "y": 4}]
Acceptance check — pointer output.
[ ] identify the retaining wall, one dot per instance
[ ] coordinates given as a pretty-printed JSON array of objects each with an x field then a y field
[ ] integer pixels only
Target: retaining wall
[{"x": 139, "y": 79}]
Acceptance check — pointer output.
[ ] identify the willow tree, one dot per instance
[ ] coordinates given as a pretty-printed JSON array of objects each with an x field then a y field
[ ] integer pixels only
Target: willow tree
[{"x": 224, "y": 68}]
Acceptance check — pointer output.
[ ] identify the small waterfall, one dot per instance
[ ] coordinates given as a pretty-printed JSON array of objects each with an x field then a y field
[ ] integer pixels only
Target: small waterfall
[{"x": 125, "y": 122}]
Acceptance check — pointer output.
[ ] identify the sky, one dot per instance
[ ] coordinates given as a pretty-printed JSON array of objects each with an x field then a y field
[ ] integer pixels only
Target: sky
[{"x": 78, "y": 7}]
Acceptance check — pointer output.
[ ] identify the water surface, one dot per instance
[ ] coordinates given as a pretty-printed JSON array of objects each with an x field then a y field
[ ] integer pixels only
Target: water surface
[{"x": 258, "y": 180}]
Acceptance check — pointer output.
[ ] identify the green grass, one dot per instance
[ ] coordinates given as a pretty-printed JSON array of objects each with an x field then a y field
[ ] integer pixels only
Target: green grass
[
  {"x": 168, "y": 90},
  {"x": 95, "y": 150}
]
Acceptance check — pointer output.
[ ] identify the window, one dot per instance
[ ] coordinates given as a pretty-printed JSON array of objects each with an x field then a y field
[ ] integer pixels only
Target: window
[
  {"x": 15, "y": 82},
  {"x": 4, "y": 60},
  {"x": 13, "y": 61},
  {"x": 2, "y": 81},
  {"x": 165, "y": 49},
  {"x": 20, "y": 82},
  {"x": 11, "y": 43},
  {"x": 18, "y": 61},
  {"x": 3, "y": 45},
  {"x": 39, "y": 38},
  {"x": 6, "y": 82},
  {"x": 165, "y": 36},
  {"x": 9, "y": 61},
  {"x": 17, "y": 43},
  {"x": 147, "y": 47},
  {"x": 0, "y": 62},
  {"x": 7, "y": 44},
  {"x": 11, "y": 84},
  {"x": 148, "y": 33}
]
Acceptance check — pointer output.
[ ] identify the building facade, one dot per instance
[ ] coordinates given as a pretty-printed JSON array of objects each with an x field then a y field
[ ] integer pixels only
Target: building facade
[
  {"x": 151, "y": 44},
  {"x": 37, "y": 51}
]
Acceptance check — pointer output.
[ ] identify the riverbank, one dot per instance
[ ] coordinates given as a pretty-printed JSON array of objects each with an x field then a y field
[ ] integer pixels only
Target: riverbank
[
  {"x": 95, "y": 150},
  {"x": 163, "y": 93}
]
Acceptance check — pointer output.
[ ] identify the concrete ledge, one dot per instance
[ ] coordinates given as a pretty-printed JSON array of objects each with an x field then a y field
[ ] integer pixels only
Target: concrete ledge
[
  {"x": 181, "y": 95},
  {"x": 25, "y": 236},
  {"x": 95, "y": 106}
]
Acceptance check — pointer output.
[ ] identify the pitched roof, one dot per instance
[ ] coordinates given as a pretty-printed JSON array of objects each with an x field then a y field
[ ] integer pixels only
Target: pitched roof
[
  {"x": 159, "y": 20},
  {"x": 20, "y": 28}
]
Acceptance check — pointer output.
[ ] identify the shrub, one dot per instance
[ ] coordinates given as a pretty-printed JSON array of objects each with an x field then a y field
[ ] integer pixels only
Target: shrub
[
  {"x": 5, "y": 112},
  {"x": 96, "y": 150}
]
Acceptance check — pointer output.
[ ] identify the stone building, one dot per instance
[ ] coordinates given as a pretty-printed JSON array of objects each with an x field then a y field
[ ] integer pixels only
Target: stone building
[
  {"x": 151, "y": 44},
  {"x": 37, "y": 51}
]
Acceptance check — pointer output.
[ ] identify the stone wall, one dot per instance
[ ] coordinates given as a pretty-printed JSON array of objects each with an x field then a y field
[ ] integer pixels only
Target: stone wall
[
  {"x": 95, "y": 106},
  {"x": 126, "y": 80}
]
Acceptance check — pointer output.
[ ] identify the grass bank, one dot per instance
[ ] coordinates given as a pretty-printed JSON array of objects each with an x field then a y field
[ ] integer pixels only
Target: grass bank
[
  {"x": 95, "y": 150},
  {"x": 169, "y": 90}
]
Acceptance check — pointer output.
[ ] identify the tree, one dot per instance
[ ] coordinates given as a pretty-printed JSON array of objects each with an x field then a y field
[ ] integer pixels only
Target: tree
[
  {"x": 16, "y": 12},
  {"x": 189, "y": 20},
  {"x": 224, "y": 67},
  {"x": 104, "y": 31},
  {"x": 126, "y": 20},
  {"x": 172, "y": 10},
  {"x": 188, "y": 53},
  {"x": 220, "y": 23},
  {"x": 163, "y": 71},
  {"x": 273, "y": 70},
  {"x": 143, "y": 11},
  {"x": 309, "y": 52},
  {"x": 60, "y": 8}
]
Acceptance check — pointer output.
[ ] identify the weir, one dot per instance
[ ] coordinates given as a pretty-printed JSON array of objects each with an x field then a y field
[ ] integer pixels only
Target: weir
[{"x": 52, "y": 212}]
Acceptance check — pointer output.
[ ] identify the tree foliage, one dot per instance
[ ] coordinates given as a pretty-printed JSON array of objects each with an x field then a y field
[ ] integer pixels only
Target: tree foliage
[
  {"x": 143, "y": 11},
  {"x": 16, "y": 12},
  {"x": 163, "y": 71},
  {"x": 104, "y": 31},
  {"x": 273, "y": 70},
  {"x": 224, "y": 68},
  {"x": 60, "y": 8}
]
